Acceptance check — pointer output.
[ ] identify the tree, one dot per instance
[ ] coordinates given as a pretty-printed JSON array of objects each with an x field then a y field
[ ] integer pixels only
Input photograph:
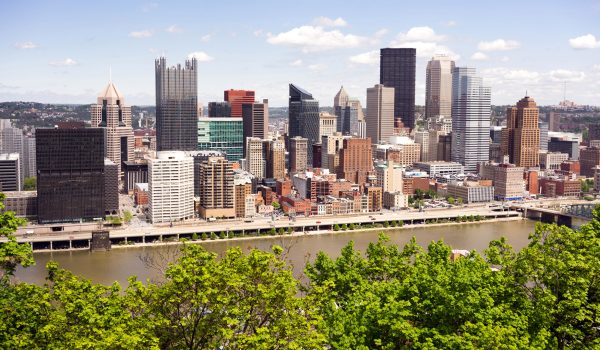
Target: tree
[
  {"x": 213, "y": 236},
  {"x": 194, "y": 236},
  {"x": 239, "y": 301},
  {"x": 459, "y": 201},
  {"x": 30, "y": 184},
  {"x": 275, "y": 205},
  {"x": 204, "y": 236},
  {"x": 336, "y": 227},
  {"x": 451, "y": 200},
  {"x": 222, "y": 235},
  {"x": 12, "y": 254},
  {"x": 127, "y": 216}
]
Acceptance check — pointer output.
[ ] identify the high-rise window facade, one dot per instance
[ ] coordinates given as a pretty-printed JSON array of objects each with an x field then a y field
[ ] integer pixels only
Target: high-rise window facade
[
  {"x": 222, "y": 134},
  {"x": 438, "y": 87},
  {"x": 397, "y": 69},
  {"x": 176, "y": 105},
  {"x": 303, "y": 117}
]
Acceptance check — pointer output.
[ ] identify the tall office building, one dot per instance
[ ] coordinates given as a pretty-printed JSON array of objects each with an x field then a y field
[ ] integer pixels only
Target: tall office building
[
  {"x": 340, "y": 101},
  {"x": 255, "y": 116},
  {"x": 236, "y": 99},
  {"x": 553, "y": 121},
  {"x": 255, "y": 160},
  {"x": 171, "y": 187},
  {"x": 222, "y": 134},
  {"x": 330, "y": 151},
  {"x": 438, "y": 87},
  {"x": 10, "y": 172},
  {"x": 216, "y": 179},
  {"x": 397, "y": 69},
  {"x": 594, "y": 131},
  {"x": 298, "y": 154},
  {"x": 13, "y": 141},
  {"x": 176, "y": 105},
  {"x": 29, "y": 155},
  {"x": 543, "y": 126},
  {"x": 380, "y": 113},
  {"x": 390, "y": 176},
  {"x": 521, "y": 137},
  {"x": 274, "y": 158},
  {"x": 303, "y": 117},
  {"x": 471, "y": 108},
  {"x": 111, "y": 113},
  {"x": 70, "y": 174}
]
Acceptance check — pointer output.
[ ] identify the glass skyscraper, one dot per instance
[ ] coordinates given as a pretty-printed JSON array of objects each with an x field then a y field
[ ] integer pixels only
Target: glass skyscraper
[
  {"x": 222, "y": 134},
  {"x": 304, "y": 117},
  {"x": 176, "y": 105},
  {"x": 470, "y": 119},
  {"x": 397, "y": 69}
]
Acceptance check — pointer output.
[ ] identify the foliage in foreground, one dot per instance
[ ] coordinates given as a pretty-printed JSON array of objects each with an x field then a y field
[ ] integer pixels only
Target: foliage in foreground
[{"x": 547, "y": 296}]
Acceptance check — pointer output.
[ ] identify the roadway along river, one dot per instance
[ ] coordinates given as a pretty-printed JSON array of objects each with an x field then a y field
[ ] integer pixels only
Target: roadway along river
[{"x": 118, "y": 264}]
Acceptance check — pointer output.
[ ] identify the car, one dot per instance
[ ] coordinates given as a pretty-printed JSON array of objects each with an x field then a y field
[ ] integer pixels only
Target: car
[{"x": 318, "y": 222}]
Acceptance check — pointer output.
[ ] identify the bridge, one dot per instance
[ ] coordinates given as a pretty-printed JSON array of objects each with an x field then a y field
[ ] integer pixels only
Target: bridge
[{"x": 561, "y": 214}]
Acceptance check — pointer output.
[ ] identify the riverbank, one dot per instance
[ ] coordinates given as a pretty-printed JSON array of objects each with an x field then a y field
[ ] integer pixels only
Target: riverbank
[{"x": 278, "y": 235}]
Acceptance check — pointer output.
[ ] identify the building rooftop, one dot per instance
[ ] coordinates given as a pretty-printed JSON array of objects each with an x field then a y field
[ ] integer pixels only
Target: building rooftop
[{"x": 9, "y": 156}]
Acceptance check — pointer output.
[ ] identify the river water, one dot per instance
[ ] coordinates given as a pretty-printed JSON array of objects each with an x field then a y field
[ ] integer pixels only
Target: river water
[{"x": 147, "y": 262}]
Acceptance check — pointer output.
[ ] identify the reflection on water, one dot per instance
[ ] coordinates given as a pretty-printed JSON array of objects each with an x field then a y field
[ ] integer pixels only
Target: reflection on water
[{"x": 147, "y": 262}]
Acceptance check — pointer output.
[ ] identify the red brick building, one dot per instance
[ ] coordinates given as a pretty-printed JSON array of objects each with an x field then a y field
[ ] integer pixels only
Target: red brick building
[
  {"x": 560, "y": 187},
  {"x": 570, "y": 166},
  {"x": 283, "y": 187},
  {"x": 356, "y": 160},
  {"x": 236, "y": 98},
  {"x": 295, "y": 205}
]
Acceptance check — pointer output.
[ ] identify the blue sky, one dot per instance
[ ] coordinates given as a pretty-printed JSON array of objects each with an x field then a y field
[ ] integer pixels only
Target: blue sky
[{"x": 61, "y": 51}]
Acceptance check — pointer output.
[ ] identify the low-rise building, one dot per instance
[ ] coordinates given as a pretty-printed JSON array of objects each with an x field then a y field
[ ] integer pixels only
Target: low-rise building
[
  {"x": 140, "y": 194},
  {"x": 22, "y": 203},
  {"x": 471, "y": 192},
  {"x": 560, "y": 186},
  {"x": 395, "y": 200},
  {"x": 552, "y": 160},
  {"x": 440, "y": 168}
]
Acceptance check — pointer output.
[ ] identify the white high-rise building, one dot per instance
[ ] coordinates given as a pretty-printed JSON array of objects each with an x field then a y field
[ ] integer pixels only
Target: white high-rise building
[
  {"x": 438, "y": 86},
  {"x": 389, "y": 176},
  {"x": 29, "y": 156},
  {"x": 380, "y": 113},
  {"x": 111, "y": 113},
  {"x": 470, "y": 119},
  {"x": 255, "y": 157},
  {"x": 171, "y": 187}
]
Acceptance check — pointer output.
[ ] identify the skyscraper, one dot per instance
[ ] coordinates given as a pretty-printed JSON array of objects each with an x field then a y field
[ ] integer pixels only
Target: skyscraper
[
  {"x": 340, "y": 101},
  {"x": 255, "y": 116},
  {"x": 111, "y": 113},
  {"x": 397, "y": 69},
  {"x": 298, "y": 154},
  {"x": 275, "y": 158},
  {"x": 216, "y": 178},
  {"x": 470, "y": 119},
  {"x": 255, "y": 159},
  {"x": 236, "y": 99},
  {"x": 70, "y": 174},
  {"x": 521, "y": 138},
  {"x": 356, "y": 160},
  {"x": 303, "y": 117},
  {"x": 10, "y": 172},
  {"x": 176, "y": 105},
  {"x": 327, "y": 125},
  {"x": 438, "y": 87},
  {"x": 380, "y": 113},
  {"x": 222, "y": 134}
]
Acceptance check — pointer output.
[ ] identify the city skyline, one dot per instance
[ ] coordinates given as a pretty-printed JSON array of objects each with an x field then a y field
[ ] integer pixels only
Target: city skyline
[{"x": 320, "y": 48}]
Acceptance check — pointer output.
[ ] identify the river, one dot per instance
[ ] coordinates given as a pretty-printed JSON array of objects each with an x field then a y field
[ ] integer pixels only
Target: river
[{"x": 145, "y": 262}]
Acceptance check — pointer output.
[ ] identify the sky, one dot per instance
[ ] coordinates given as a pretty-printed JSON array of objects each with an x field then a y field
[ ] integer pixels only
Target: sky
[{"x": 62, "y": 51}]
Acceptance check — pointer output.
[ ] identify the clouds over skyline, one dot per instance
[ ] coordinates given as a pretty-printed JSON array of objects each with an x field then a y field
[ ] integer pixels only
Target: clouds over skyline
[
  {"x": 587, "y": 41},
  {"x": 498, "y": 45}
]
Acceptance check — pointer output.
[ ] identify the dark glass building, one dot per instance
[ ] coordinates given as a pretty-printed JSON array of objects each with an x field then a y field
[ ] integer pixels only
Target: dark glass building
[
  {"x": 219, "y": 110},
  {"x": 303, "y": 117},
  {"x": 397, "y": 69},
  {"x": 176, "y": 106},
  {"x": 70, "y": 174}
]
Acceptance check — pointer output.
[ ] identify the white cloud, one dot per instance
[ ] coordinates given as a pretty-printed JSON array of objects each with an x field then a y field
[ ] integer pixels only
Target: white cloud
[
  {"x": 381, "y": 32},
  {"x": 596, "y": 67},
  {"x": 425, "y": 34},
  {"x": 328, "y": 22},
  {"x": 371, "y": 57},
  {"x": 587, "y": 41},
  {"x": 25, "y": 45},
  {"x": 64, "y": 63},
  {"x": 317, "y": 66},
  {"x": 296, "y": 63},
  {"x": 311, "y": 39},
  {"x": 501, "y": 76},
  {"x": 140, "y": 34},
  {"x": 479, "y": 56},
  {"x": 206, "y": 38},
  {"x": 201, "y": 56},
  {"x": 566, "y": 75},
  {"x": 498, "y": 45},
  {"x": 258, "y": 32},
  {"x": 174, "y": 29}
]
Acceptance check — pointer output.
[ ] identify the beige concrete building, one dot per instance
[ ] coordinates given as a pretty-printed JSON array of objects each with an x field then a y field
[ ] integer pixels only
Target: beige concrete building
[
  {"x": 405, "y": 154},
  {"x": 298, "y": 154},
  {"x": 438, "y": 87},
  {"x": 111, "y": 113},
  {"x": 389, "y": 176},
  {"x": 330, "y": 151},
  {"x": 380, "y": 113},
  {"x": 552, "y": 160},
  {"x": 216, "y": 181},
  {"x": 508, "y": 179},
  {"x": 255, "y": 161},
  {"x": 327, "y": 124}
]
